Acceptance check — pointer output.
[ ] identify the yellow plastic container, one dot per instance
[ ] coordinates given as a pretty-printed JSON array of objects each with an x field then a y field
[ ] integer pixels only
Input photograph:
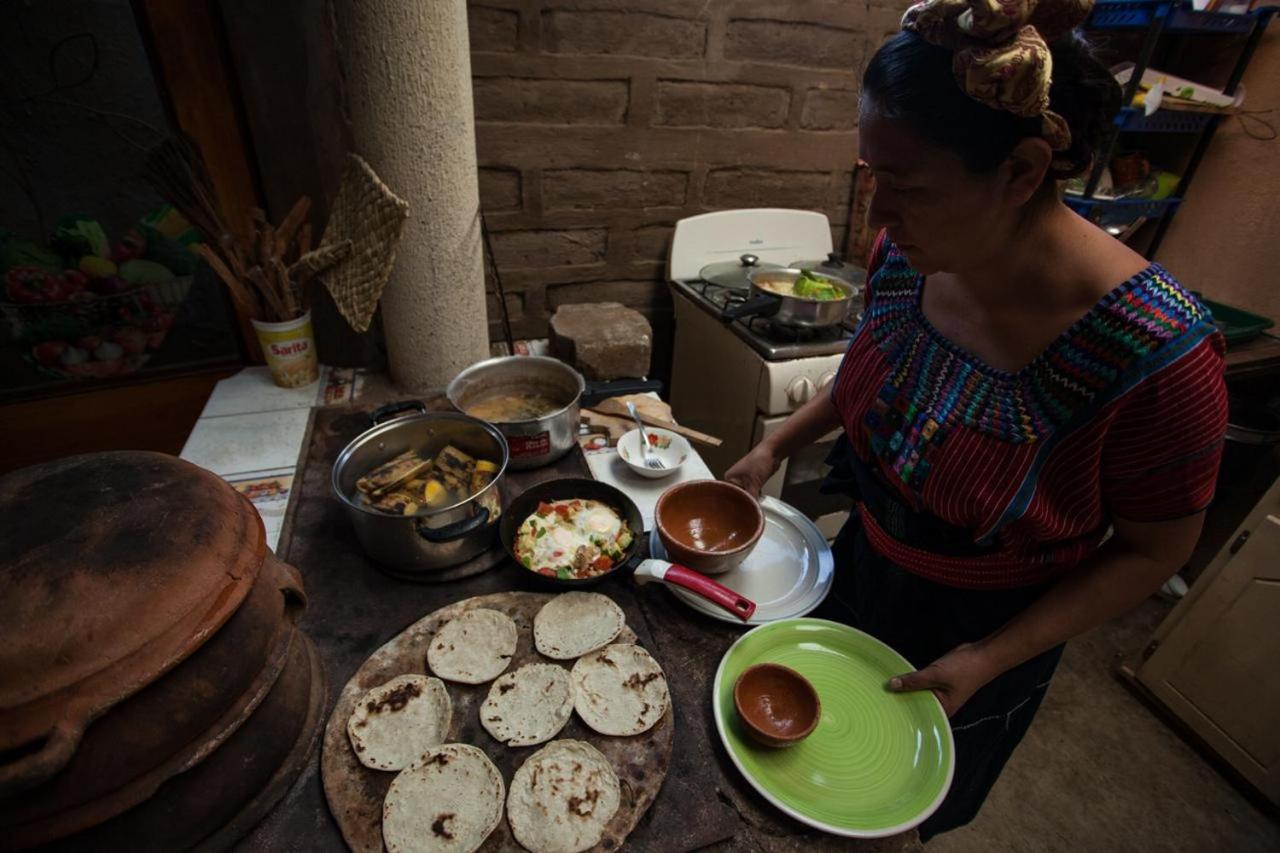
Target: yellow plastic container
[{"x": 290, "y": 350}]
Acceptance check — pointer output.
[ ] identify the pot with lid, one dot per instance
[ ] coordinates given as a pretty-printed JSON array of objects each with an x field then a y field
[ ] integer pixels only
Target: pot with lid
[
  {"x": 142, "y": 623},
  {"x": 733, "y": 274}
]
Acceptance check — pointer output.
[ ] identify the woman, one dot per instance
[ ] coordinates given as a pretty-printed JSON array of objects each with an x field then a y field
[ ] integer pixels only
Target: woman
[{"x": 1033, "y": 413}]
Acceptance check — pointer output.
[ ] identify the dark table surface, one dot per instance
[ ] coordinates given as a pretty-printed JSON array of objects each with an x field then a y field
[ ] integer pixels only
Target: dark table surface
[{"x": 353, "y": 609}]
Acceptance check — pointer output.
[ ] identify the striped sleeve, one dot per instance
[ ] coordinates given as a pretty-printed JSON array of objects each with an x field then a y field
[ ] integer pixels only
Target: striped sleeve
[{"x": 1161, "y": 455}]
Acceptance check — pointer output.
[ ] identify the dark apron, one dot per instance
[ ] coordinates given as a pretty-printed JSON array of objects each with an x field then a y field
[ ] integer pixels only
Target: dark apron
[{"x": 923, "y": 620}]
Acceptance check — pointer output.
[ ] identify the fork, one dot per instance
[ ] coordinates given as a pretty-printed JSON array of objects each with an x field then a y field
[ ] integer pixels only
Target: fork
[{"x": 651, "y": 459}]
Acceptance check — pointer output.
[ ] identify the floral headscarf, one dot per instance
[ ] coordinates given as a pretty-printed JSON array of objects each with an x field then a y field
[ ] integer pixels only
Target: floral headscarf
[{"x": 1001, "y": 51}]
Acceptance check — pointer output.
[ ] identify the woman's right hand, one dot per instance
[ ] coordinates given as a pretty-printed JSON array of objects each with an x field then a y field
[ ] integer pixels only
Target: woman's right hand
[{"x": 752, "y": 471}]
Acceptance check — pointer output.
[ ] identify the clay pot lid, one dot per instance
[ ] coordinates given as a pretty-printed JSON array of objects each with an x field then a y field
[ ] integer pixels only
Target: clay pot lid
[{"x": 114, "y": 567}]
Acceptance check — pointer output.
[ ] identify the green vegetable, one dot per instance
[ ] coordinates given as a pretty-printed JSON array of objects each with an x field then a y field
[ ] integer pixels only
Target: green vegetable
[
  {"x": 811, "y": 287},
  {"x": 144, "y": 272},
  {"x": 78, "y": 235},
  {"x": 542, "y": 531},
  {"x": 528, "y": 562},
  {"x": 563, "y": 573},
  {"x": 23, "y": 253}
]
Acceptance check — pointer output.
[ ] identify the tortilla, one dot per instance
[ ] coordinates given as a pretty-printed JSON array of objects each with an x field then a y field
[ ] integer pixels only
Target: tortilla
[
  {"x": 474, "y": 648},
  {"x": 575, "y": 623},
  {"x": 619, "y": 690},
  {"x": 397, "y": 721},
  {"x": 448, "y": 800},
  {"x": 562, "y": 798},
  {"x": 528, "y": 706}
]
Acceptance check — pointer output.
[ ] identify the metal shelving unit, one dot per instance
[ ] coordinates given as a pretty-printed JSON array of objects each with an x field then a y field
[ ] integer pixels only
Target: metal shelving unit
[{"x": 1159, "y": 18}]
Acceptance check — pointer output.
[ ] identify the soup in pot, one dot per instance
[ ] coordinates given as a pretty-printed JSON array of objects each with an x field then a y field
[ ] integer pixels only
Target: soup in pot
[{"x": 513, "y": 406}]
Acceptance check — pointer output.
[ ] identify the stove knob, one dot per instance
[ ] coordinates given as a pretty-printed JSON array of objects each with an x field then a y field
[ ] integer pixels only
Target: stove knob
[
  {"x": 826, "y": 379},
  {"x": 800, "y": 390}
]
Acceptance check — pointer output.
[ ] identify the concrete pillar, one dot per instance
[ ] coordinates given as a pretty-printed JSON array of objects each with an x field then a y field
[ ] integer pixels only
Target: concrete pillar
[{"x": 408, "y": 70}]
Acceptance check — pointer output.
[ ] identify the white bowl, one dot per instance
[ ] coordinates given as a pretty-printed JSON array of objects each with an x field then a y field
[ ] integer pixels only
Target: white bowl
[{"x": 673, "y": 455}]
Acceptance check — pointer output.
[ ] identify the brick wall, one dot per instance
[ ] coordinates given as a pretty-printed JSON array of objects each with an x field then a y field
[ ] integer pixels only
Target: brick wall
[{"x": 602, "y": 122}]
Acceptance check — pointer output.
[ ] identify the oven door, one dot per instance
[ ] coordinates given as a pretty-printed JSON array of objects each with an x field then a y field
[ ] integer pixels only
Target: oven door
[{"x": 800, "y": 476}]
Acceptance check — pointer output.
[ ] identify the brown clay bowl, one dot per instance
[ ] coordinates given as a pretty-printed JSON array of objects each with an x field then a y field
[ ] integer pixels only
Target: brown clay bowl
[
  {"x": 708, "y": 525},
  {"x": 777, "y": 706}
]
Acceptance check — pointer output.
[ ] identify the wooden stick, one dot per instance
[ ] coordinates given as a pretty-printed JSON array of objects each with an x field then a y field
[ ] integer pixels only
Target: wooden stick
[
  {"x": 290, "y": 224},
  {"x": 244, "y": 299},
  {"x": 618, "y": 410}
]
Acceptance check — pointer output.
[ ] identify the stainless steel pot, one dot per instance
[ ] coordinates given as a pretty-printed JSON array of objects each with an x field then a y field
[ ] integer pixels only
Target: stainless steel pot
[
  {"x": 537, "y": 441},
  {"x": 430, "y": 540},
  {"x": 790, "y": 310}
]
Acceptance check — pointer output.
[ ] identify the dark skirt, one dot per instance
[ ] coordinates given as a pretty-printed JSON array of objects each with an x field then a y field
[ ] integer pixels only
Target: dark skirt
[{"x": 924, "y": 620}]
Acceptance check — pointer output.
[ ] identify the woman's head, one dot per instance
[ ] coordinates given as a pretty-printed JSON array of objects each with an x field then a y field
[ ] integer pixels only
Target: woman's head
[{"x": 948, "y": 167}]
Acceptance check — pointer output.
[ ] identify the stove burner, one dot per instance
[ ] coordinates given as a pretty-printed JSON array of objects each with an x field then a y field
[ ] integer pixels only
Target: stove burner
[{"x": 772, "y": 340}]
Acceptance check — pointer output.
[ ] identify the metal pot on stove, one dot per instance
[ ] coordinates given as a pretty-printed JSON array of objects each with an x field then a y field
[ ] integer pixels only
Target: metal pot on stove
[
  {"x": 775, "y": 294},
  {"x": 534, "y": 401},
  {"x": 428, "y": 539}
]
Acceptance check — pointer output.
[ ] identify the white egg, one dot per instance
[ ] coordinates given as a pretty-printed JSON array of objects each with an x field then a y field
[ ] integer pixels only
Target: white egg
[
  {"x": 565, "y": 537},
  {"x": 601, "y": 522}
]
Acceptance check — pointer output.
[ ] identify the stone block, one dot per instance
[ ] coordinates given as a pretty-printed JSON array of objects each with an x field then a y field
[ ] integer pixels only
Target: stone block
[
  {"x": 689, "y": 104},
  {"x": 585, "y": 189},
  {"x": 830, "y": 109},
  {"x": 534, "y": 101},
  {"x": 493, "y": 30},
  {"x": 499, "y": 190},
  {"x": 521, "y": 249},
  {"x": 604, "y": 340},
  {"x": 727, "y": 188},
  {"x": 793, "y": 43},
  {"x": 619, "y": 33}
]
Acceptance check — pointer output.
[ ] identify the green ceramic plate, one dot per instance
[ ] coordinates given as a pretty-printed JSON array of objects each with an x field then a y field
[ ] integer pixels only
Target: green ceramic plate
[{"x": 877, "y": 764}]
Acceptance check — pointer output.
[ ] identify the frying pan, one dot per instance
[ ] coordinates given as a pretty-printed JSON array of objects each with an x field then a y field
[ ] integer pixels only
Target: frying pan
[
  {"x": 646, "y": 571},
  {"x": 792, "y": 310}
]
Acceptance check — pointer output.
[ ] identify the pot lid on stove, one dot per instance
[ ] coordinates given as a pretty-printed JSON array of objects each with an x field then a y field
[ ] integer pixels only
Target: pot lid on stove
[
  {"x": 733, "y": 274},
  {"x": 114, "y": 567},
  {"x": 835, "y": 265}
]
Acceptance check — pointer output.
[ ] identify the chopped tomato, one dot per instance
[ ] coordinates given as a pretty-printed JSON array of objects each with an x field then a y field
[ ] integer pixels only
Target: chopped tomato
[
  {"x": 544, "y": 508},
  {"x": 563, "y": 512},
  {"x": 602, "y": 564},
  {"x": 549, "y": 572},
  {"x": 558, "y": 554}
]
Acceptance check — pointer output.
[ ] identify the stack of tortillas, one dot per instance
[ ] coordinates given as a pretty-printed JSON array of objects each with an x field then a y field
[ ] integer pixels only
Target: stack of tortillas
[{"x": 450, "y": 796}]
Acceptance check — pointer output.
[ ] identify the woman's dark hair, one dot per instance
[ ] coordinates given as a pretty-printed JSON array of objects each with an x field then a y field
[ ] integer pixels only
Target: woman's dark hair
[{"x": 910, "y": 80}]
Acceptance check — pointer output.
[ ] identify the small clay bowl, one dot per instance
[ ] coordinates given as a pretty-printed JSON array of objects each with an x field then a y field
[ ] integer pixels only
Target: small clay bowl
[
  {"x": 709, "y": 526},
  {"x": 777, "y": 706}
]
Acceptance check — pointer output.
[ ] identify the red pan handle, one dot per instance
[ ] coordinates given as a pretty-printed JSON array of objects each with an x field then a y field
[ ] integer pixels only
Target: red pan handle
[{"x": 699, "y": 584}]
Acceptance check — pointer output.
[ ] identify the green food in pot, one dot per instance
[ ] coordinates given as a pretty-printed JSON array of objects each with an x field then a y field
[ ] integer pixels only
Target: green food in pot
[{"x": 811, "y": 287}]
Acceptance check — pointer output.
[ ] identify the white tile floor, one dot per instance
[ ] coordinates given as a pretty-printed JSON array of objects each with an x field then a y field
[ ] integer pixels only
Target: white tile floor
[{"x": 251, "y": 433}]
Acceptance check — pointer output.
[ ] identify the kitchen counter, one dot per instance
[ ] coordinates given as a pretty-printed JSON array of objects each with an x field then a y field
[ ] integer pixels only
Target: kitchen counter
[{"x": 353, "y": 609}]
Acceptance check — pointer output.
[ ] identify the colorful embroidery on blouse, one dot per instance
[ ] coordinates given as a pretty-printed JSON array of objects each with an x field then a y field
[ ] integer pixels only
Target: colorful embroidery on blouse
[{"x": 932, "y": 386}]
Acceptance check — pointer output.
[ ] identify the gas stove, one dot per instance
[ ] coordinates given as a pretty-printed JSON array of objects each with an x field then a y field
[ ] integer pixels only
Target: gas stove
[
  {"x": 772, "y": 340},
  {"x": 740, "y": 379}
]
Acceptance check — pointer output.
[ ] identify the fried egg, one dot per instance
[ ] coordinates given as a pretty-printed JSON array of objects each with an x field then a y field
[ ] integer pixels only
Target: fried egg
[{"x": 572, "y": 539}]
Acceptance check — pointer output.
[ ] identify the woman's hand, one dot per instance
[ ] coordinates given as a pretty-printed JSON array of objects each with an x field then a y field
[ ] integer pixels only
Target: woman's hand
[
  {"x": 752, "y": 471},
  {"x": 953, "y": 678}
]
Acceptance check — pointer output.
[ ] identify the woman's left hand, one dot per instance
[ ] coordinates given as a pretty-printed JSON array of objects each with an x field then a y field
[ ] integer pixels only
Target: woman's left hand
[{"x": 953, "y": 678}]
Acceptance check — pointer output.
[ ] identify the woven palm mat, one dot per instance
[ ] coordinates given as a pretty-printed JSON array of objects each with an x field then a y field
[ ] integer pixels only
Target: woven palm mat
[
  {"x": 371, "y": 216},
  {"x": 355, "y": 792}
]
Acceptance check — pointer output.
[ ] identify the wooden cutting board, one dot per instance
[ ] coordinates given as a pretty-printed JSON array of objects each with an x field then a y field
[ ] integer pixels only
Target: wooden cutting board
[{"x": 355, "y": 792}]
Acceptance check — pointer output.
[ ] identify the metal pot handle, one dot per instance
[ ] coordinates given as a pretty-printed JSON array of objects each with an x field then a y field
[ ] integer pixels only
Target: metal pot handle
[
  {"x": 757, "y": 305},
  {"x": 457, "y": 530},
  {"x": 391, "y": 410}
]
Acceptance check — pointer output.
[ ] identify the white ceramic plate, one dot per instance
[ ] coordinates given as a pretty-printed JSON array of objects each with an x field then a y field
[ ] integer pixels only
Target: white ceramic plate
[{"x": 787, "y": 575}]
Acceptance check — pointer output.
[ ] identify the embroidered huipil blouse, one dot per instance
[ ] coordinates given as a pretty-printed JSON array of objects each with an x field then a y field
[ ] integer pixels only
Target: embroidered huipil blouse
[{"x": 1122, "y": 416}]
